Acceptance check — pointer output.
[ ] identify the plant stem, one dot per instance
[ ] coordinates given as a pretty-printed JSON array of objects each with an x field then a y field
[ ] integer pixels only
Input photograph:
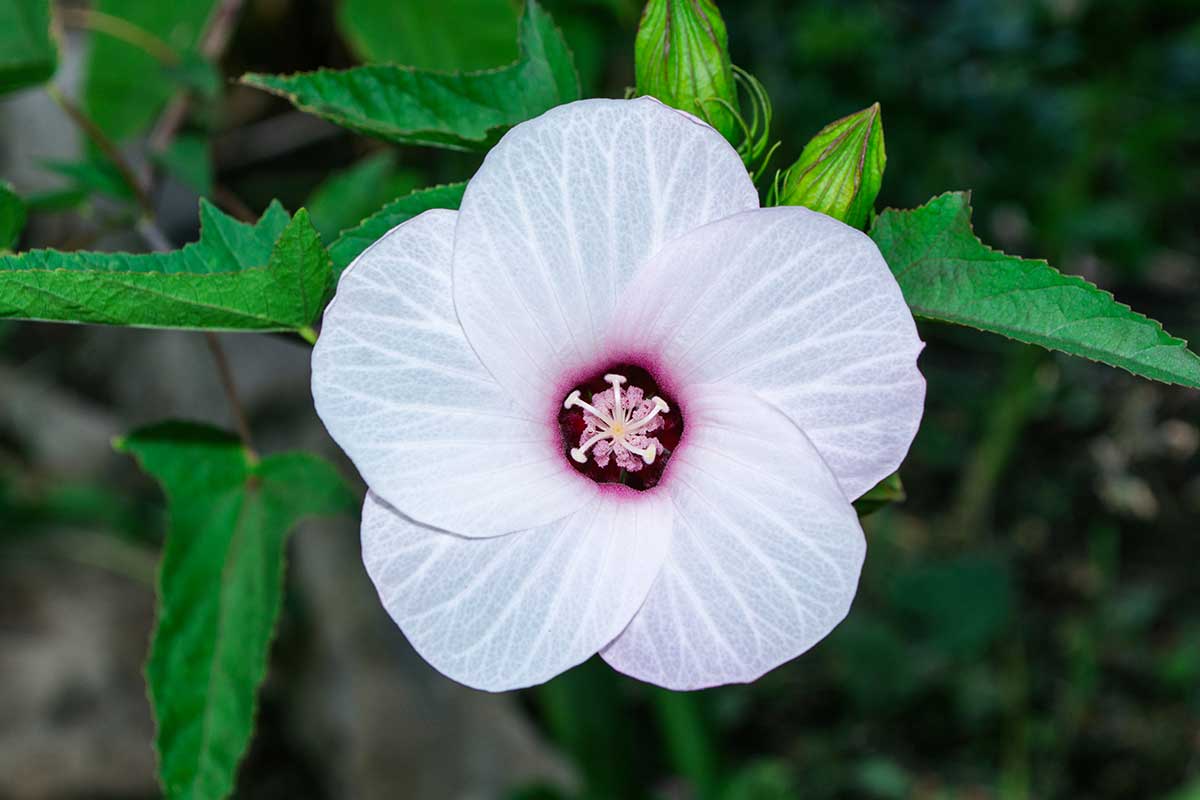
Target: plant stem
[
  {"x": 235, "y": 405},
  {"x": 106, "y": 145},
  {"x": 99, "y": 22}
]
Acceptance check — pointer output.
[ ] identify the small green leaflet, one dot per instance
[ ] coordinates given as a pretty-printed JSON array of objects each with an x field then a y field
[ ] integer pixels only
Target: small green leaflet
[
  {"x": 28, "y": 55},
  {"x": 887, "y": 491},
  {"x": 353, "y": 241},
  {"x": 126, "y": 84},
  {"x": 947, "y": 274},
  {"x": 430, "y": 34},
  {"x": 460, "y": 111},
  {"x": 12, "y": 216},
  {"x": 270, "y": 276},
  {"x": 219, "y": 588},
  {"x": 841, "y": 169}
]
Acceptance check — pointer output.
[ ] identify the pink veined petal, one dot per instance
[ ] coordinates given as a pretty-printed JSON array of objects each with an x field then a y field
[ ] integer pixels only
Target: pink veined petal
[
  {"x": 561, "y": 214},
  {"x": 803, "y": 309},
  {"x": 400, "y": 389},
  {"x": 513, "y": 611},
  {"x": 765, "y": 552}
]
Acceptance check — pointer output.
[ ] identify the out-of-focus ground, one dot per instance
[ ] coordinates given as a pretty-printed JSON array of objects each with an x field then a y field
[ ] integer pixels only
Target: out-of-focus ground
[{"x": 1027, "y": 625}]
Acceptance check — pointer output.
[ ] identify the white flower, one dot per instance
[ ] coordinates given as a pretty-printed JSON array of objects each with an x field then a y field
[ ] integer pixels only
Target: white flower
[{"x": 611, "y": 304}]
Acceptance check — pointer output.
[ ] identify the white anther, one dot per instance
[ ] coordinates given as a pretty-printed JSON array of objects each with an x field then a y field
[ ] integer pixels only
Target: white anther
[
  {"x": 573, "y": 400},
  {"x": 618, "y": 426}
]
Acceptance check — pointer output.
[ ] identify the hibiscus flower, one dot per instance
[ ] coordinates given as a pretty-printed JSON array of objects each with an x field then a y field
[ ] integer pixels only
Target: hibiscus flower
[{"x": 612, "y": 406}]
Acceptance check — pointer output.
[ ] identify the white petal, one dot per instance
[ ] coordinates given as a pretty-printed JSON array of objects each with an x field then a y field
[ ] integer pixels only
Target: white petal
[
  {"x": 513, "y": 611},
  {"x": 765, "y": 553},
  {"x": 803, "y": 309},
  {"x": 563, "y": 211},
  {"x": 400, "y": 389}
]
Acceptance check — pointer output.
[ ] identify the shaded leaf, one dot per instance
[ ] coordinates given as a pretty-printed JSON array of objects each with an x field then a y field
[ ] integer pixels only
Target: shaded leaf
[
  {"x": 947, "y": 274},
  {"x": 92, "y": 176},
  {"x": 188, "y": 160},
  {"x": 125, "y": 87},
  {"x": 353, "y": 241},
  {"x": 346, "y": 197},
  {"x": 430, "y": 34},
  {"x": 28, "y": 54},
  {"x": 460, "y": 111},
  {"x": 219, "y": 588},
  {"x": 12, "y": 216},
  {"x": 841, "y": 169},
  {"x": 273, "y": 275}
]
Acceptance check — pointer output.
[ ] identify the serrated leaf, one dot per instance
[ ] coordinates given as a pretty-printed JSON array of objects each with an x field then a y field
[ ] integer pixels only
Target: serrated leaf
[
  {"x": 947, "y": 274},
  {"x": 353, "y": 241},
  {"x": 125, "y": 87},
  {"x": 887, "y": 491},
  {"x": 346, "y": 196},
  {"x": 12, "y": 216},
  {"x": 840, "y": 170},
  {"x": 270, "y": 276},
  {"x": 430, "y": 34},
  {"x": 28, "y": 54},
  {"x": 460, "y": 111},
  {"x": 219, "y": 588}
]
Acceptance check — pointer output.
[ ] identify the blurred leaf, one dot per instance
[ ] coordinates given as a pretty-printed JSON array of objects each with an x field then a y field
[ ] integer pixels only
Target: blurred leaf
[
  {"x": 872, "y": 663},
  {"x": 431, "y": 34},
  {"x": 346, "y": 197},
  {"x": 682, "y": 58},
  {"x": 1190, "y": 791},
  {"x": 28, "y": 53},
  {"x": 273, "y": 275},
  {"x": 353, "y": 241},
  {"x": 761, "y": 780},
  {"x": 125, "y": 87},
  {"x": 947, "y": 274},
  {"x": 887, "y": 491},
  {"x": 961, "y": 605},
  {"x": 883, "y": 778},
  {"x": 687, "y": 737},
  {"x": 93, "y": 176},
  {"x": 219, "y": 585},
  {"x": 841, "y": 169},
  {"x": 196, "y": 74},
  {"x": 56, "y": 200},
  {"x": 461, "y": 111},
  {"x": 188, "y": 160},
  {"x": 12, "y": 216}
]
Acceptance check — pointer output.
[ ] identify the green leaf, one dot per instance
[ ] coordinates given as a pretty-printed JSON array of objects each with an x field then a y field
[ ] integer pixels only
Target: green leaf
[
  {"x": 93, "y": 175},
  {"x": 126, "y": 86},
  {"x": 460, "y": 111},
  {"x": 219, "y": 588},
  {"x": 430, "y": 34},
  {"x": 353, "y": 241},
  {"x": 948, "y": 275},
  {"x": 28, "y": 54},
  {"x": 347, "y": 196},
  {"x": 887, "y": 491},
  {"x": 270, "y": 276},
  {"x": 841, "y": 169},
  {"x": 12, "y": 216},
  {"x": 188, "y": 160},
  {"x": 682, "y": 58}
]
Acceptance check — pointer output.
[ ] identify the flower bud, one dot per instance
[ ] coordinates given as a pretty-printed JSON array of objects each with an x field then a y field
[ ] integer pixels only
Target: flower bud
[
  {"x": 682, "y": 58},
  {"x": 841, "y": 169}
]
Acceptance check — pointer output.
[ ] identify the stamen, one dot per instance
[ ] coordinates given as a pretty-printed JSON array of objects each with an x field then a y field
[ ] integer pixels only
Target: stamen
[{"x": 629, "y": 436}]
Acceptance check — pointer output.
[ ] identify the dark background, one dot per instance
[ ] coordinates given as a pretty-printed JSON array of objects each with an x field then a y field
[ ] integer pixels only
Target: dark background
[{"x": 1027, "y": 622}]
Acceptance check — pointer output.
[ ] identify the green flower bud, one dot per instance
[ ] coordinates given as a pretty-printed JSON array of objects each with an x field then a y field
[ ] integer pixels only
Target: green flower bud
[
  {"x": 841, "y": 169},
  {"x": 682, "y": 58}
]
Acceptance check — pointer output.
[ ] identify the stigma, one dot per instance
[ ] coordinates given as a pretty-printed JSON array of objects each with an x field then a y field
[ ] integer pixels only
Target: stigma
[{"x": 618, "y": 425}]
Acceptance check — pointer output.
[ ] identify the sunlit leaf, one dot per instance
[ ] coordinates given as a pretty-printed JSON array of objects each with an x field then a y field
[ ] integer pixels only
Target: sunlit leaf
[
  {"x": 461, "y": 111},
  {"x": 220, "y": 583},
  {"x": 28, "y": 55},
  {"x": 273, "y": 275},
  {"x": 947, "y": 274},
  {"x": 430, "y": 34},
  {"x": 353, "y": 241}
]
